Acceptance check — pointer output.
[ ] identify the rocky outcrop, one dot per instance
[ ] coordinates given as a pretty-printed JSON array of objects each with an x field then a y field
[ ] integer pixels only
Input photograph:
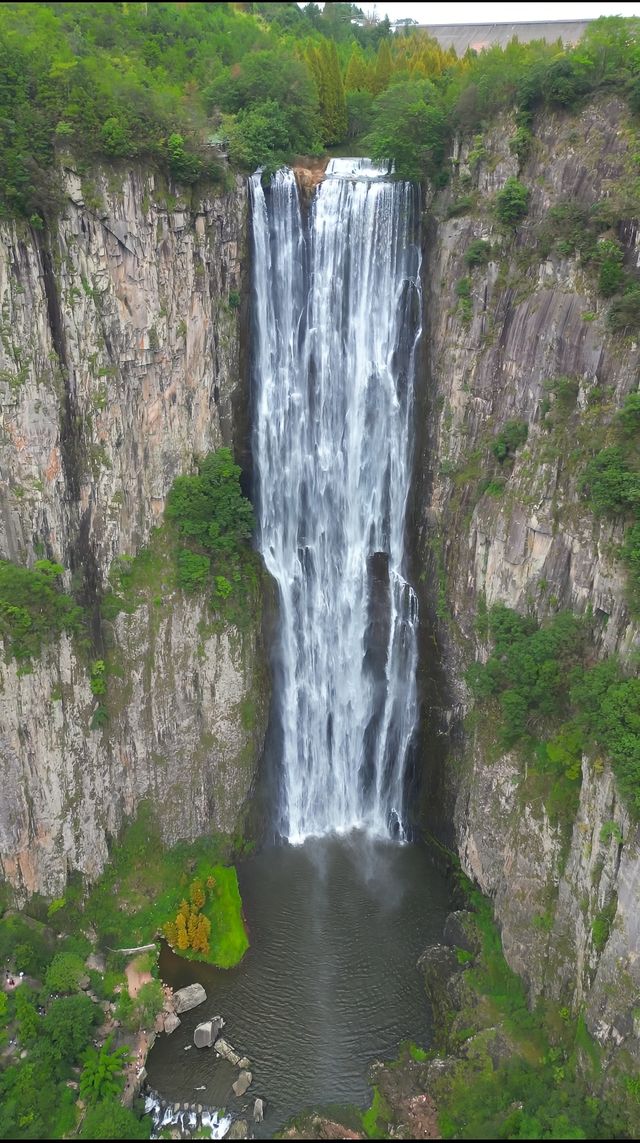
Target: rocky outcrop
[
  {"x": 120, "y": 361},
  {"x": 531, "y": 543},
  {"x": 189, "y": 997},
  {"x": 206, "y": 1034},
  {"x": 242, "y": 1084}
]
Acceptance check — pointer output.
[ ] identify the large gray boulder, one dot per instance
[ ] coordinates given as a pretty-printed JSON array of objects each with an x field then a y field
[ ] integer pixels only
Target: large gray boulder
[
  {"x": 190, "y": 997},
  {"x": 258, "y": 1110},
  {"x": 206, "y": 1034},
  {"x": 239, "y": 1130},
  {"x": 242, "y": 1084}
]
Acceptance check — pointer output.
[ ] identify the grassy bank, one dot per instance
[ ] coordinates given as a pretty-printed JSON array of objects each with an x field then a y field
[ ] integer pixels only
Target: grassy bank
[{"x": 142, "y": 888}]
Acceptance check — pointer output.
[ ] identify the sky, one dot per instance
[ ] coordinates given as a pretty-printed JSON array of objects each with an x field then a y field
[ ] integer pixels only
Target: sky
[{"x": 487, "y": 13}]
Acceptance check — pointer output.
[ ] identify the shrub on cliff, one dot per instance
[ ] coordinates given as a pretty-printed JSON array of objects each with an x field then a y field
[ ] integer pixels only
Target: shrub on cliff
[
  {"x": 477, "y": 253},
  {"x": 33, "y": 609},
  {"x": 599, "y": 710},
  {"x": 612, "y": 485},
  {"x": 210, "y": 507},
  {"x": 512, "y": 202},
  {"x": 509, "y": 439}
]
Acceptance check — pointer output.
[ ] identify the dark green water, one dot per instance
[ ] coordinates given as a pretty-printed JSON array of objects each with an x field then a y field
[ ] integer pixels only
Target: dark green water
[{"x": 328, "y": 985}]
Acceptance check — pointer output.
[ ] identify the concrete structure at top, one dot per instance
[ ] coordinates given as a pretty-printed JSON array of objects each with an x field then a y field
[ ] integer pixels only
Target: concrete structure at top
[{"x": 479, "y": 36}]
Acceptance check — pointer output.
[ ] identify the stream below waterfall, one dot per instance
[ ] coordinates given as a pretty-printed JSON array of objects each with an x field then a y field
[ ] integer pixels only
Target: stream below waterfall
[{"x": 328, "y": 985}]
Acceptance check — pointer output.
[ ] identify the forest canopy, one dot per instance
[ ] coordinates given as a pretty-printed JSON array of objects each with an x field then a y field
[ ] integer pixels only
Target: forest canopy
[{"x": 183, "y": 86}]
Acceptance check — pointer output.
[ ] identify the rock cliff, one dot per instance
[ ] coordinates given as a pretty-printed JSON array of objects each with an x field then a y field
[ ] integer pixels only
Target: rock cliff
[
  {"x": 493, "y": 350},
  {"x": 120, "y": 360}
]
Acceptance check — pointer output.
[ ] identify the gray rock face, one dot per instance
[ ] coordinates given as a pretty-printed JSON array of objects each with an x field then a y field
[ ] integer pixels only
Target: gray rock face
[
  {"x": 258, "y": 1110},
  {"x": 206, "y": 1034},
  {"x": 459, "y": 932},
  {"x": 242, "y": 1084},
  {"x": 537, "y": 547},
  {"x": 150, "y": 354},
  {"x": 97, "y": 962},
  {"x": 187, "y": 998}
]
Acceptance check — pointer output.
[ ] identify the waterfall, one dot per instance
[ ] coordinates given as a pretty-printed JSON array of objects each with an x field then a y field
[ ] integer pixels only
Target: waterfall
[{"x": 337, "y": 317}]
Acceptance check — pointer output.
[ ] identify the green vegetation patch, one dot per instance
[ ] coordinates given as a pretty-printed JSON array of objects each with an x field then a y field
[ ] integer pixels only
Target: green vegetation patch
[
  {"x": 228, "y": 941},
  {"x": 555, "y": 705},
  {"x": 176, "y": 85},
  {"x": 47, "y": 1042},
  {"x": 202, "y": 545},
  {"x": 135, "y": 896},
  {"x": 376, "y": 1118},
  {"x": 512, "y": 202},
  {"x": 478, "y": 253},
  {"x": 508, "y": 440},
  {"x": 209, "y": 924},
  {"x": 611, "y": 482},
  {"x": 34, "y": 610},
  {"x": 522, "y": 1073}
]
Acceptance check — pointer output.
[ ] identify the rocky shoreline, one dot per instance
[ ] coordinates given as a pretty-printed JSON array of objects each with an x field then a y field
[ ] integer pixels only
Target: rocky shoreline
[{"x": 185, "y": 1118}]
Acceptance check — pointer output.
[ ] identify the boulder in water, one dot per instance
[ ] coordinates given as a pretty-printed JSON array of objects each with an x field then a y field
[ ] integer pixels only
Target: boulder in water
[
  {"x": 190, "y": 997},
  {"x": 242, "y": 1084},
  {"x": 223, "y": 1048},
  {"x": 171, "y": 1022},
  {"x": 207, "y": 1033},
  {"x": 258, "y": 1110}
]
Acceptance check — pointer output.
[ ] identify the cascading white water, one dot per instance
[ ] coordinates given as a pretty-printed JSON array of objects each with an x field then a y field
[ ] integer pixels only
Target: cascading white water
[{"x": 337, "y": 319}]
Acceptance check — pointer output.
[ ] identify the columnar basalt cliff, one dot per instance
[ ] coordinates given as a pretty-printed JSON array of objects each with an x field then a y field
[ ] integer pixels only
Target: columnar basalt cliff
[
  {"x": 120, "y": 360},
  {"x": 534, "y": 544}
]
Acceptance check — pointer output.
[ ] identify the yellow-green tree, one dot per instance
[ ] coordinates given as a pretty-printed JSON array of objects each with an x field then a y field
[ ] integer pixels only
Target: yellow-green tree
[
  {"x": 197, "y": 894},
  {"x": 183, "y": 937},
  {"x": 325, "y": 68},
  {"x": 191, "y": 929},
  {"x": 383, "y": 68},
  {"x": 357, "y": 73}
]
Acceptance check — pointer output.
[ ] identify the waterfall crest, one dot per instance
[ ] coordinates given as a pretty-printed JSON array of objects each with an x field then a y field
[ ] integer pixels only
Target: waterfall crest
[{"x": 337, "y": 318}]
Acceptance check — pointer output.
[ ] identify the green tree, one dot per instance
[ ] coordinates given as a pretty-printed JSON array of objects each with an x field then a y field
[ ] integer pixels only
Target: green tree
[
  {"x": 359, "y": 113},
  {"x": 67, "y": 1026},
  {"x": 149, "y": 1002},
  {"x": 409, "y": 129},
  {"x": 64, "y": 972},
  {"x": 509, "y": 439},
  {"x": 102, "y": 1075},
  {"x": 258, "y": 137},
  {"x": 33, "y": 609},
  {"x": 275, "y": 80},
  {"x": 108, "y": 1119},
  {"x": 193, "y": 570},
  {"x": 26, "y": 1014}
]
